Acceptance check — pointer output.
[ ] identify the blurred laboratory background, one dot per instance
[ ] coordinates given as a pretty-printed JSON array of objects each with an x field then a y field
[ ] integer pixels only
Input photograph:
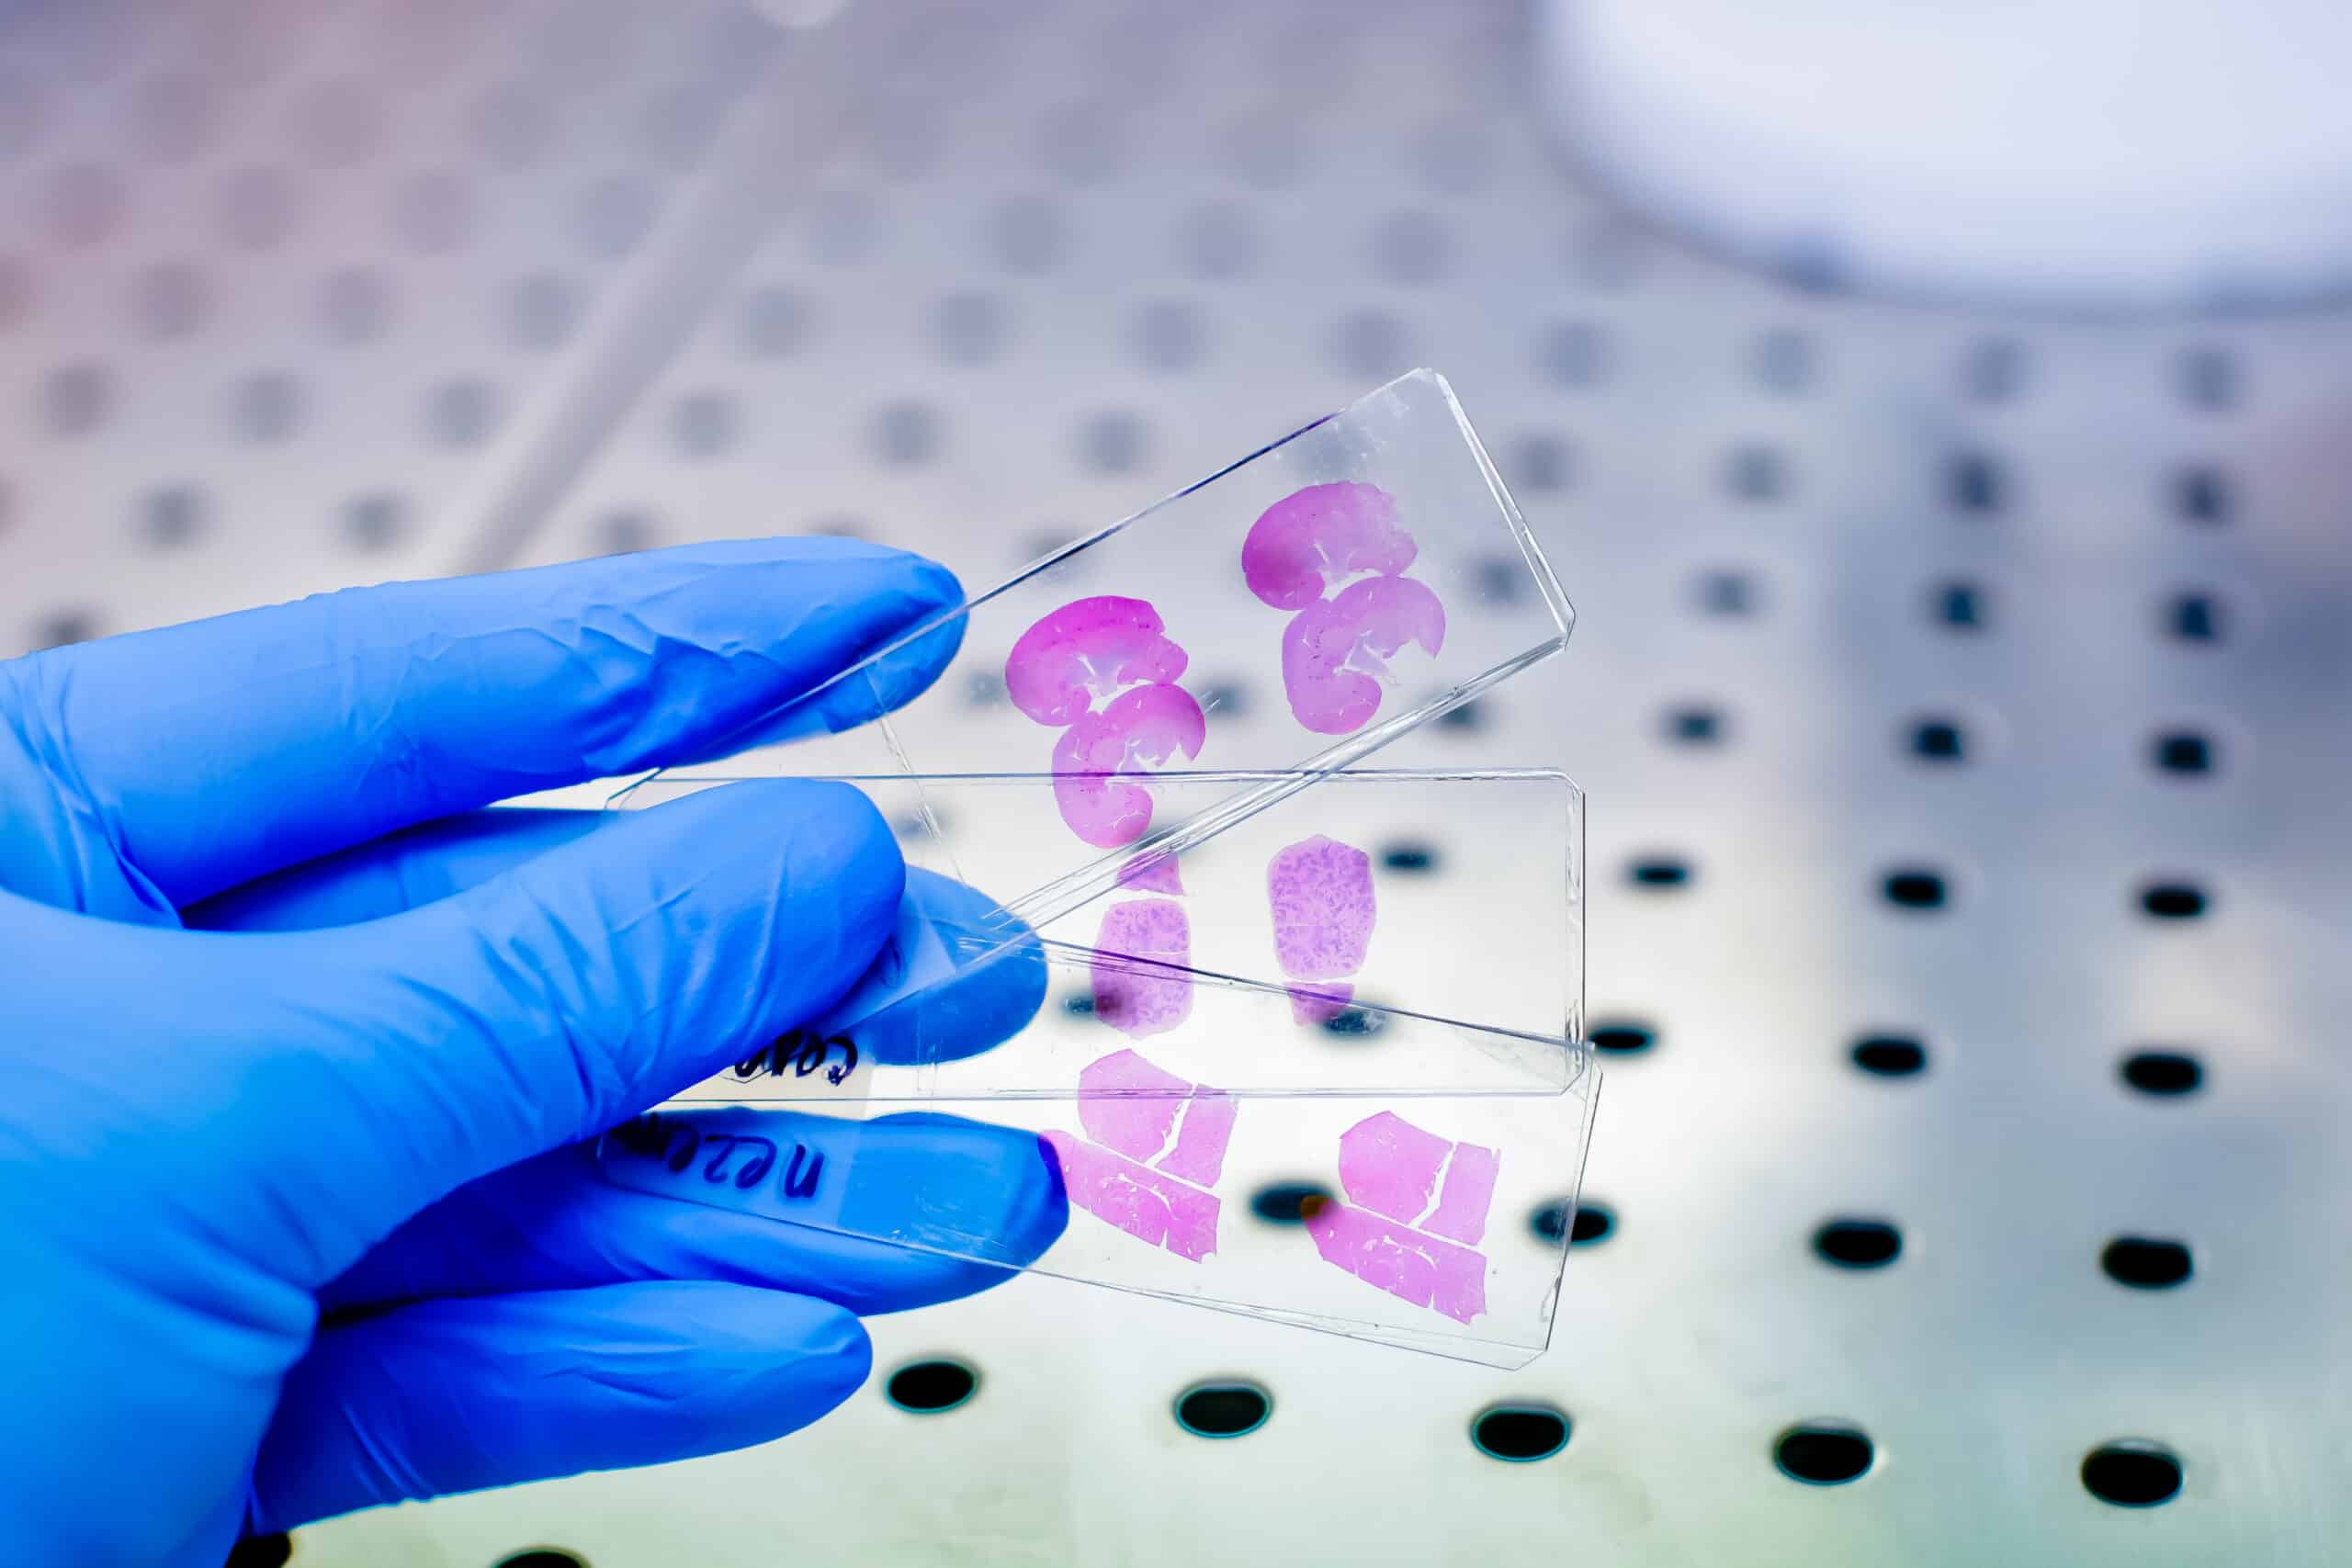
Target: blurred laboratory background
[{"x": 1960, "y": 543}]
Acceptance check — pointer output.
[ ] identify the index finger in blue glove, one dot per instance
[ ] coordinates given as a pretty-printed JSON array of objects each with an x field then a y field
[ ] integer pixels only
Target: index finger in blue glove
[
  {"x": 185, "y": 759},
  {"x": 990, "y": 996}
]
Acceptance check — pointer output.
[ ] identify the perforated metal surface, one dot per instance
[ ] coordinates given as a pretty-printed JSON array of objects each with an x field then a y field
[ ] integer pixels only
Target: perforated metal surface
[{"x": 1864, "y": 595}]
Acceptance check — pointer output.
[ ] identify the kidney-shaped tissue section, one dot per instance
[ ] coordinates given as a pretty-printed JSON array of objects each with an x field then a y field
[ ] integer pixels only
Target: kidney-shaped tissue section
[
  {"x": 1087, "y": 652},
  {"x": 1313, "y": 539},
  {"x": 1143, "y": 730},
  {"x": 1336, "y": 653}
]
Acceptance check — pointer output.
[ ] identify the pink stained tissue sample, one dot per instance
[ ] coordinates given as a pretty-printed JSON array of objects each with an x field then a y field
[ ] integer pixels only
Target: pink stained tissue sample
[
  {"x": 1320, "y": 893},
  {"x": 1416, "y": 1205},
  {"x": 1336, "y": 653},
  {"x": 1156, "y": 1209},
  {"x": 1087, "y": 652},
  {"x": 1157, "y": 1143},
  {"x": 1142, "y": 729},
  {"x": 1154, "y": 871},
  {"x": 1139, "y": 1000},
  {"x": 1104, "y": 670},
  {"x": 1311, "y": 552},
  {"x": 1314, "y": 539},
  {"x": 1130, "y": 1106}
]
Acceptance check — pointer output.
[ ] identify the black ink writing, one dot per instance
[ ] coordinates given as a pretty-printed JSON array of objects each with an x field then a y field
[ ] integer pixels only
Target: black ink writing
[
  {"x": 800, "y": 1052},
  {"x": 726, "y": 1158}
]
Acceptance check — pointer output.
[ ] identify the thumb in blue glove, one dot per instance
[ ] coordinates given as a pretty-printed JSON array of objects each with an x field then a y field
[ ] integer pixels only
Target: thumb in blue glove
[{"x": 304, "y": 1044}]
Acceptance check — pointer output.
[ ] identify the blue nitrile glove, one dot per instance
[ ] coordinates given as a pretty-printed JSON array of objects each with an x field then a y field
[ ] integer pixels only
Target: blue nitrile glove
[{"x": 298, "y": 1045}]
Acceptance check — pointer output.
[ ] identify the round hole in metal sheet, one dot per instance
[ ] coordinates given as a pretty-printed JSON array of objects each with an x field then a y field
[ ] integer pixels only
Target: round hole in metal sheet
[
  {"x": 257, "y": 206},
  {"x": 611, "y": 215},
  {"x": 1915, "y": 887},
  {"x": 2201, "y": 493},
  {"x": 1224, "y": 1409},
  {"x": 1289, "y": 1202},
  {"x": 2164, "y": 1073},
  {"x": 1973, "y": 482},
  {"x": 1756, "y": 473},
  {"x": 2208, "y": 377},
  {"x": 374, "y": 522},
  {"x": 2146, "y": 1263},
  {"x": 1169, "y": 335},
  {"x": 540, "y": 311},
  {"x": 1026, "y": 235},
  {"x": 433, "y": 212},
  {"x": 1219, "y": 241},
  {"x": 626, "y": 531},
  {"x": 704, "y": 423},
  {"x": 543, "y": 1557},
  {"x": 76, "y": 398},
  {"x": 1502, "y": 580},
  {"x": 1783, "y": 360},
  {"x": 1079, "y": 1004},
  {"x": 1225, "y": 699},
  {"x": 1823, "y": 1454},
  {"x": 1694, "y": 723},
  {"x": 1960, "y": 605},
  {"x": 2130, "y": 1473},
  {"x": 261, "y": 1551},
  {"x": 61, "y": 627},
  {"x": 1573, "y": 354},
  {"x": 2172, "y": 901},
  {"x": 1468, "y": 718},
  {"x": 170, "y": 299},
  {"x": 2183, "y": 752},
  {"x": 1994, "y": 370},
  {"x": 773, "y": 321},
  {"x": 1114, "y": 441},
  {"x": 1540, "y": 461},
  {"x": 1520, "y": 1434},
  {"x": 968, "y": 327},
  {"x": 1413, "y": 857},
  {"x": 1890, "y": 1055},
  {"x": 1371, "y": 346},
  {"x": 461, "y": 411},
  {"x": 1661, "y": 872},
  {"x": 1410, "y": 249},
  {"x": 2195, "y": 617},
  {"x": 356, "y": 304},
  {"x": 1939, "y": 739},
  {"x": 931, "y": 1387},
  {"x": 171, "y": 516},
  {"x": 84, "y": 203},
  {"x": 1730, "y": 594},
  {"x": 1621, "y": 1037},
  {"x": 1858, "y": 1244},
  {"x": 906, "y": 434},
  {"x": 1355, "y": 1023}
]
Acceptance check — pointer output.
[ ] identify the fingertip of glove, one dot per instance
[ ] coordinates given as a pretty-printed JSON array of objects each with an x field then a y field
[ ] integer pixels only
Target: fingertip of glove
[{"x": 999, "y": 1190}]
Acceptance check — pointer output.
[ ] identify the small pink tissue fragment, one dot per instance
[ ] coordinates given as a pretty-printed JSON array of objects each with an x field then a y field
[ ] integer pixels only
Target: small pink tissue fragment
[
  {"x": 1313, "y": 539},
  {"x": 1142, "y": 729},
  {"x": 1468, "y": 1193},
  {"x": 1320, "y": 1004},
  {"x": 1414, "y": 1268},
  {"x": 1134, "y": 1109},
  {"x": 1144, "y": 999},
  {"x": 1335, "y": 653},
  {"x": 1154, "y": 871},
  {"x": 1389, "y": 1169},
  {"x": 1155, "y": 1209},
  {"x": 1087, "y": 652},
  {"x": 1320, "y": 893}
]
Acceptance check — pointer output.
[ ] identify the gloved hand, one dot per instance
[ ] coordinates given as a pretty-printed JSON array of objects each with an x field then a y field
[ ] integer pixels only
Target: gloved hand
[{"x": 299, "y": 1044}]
